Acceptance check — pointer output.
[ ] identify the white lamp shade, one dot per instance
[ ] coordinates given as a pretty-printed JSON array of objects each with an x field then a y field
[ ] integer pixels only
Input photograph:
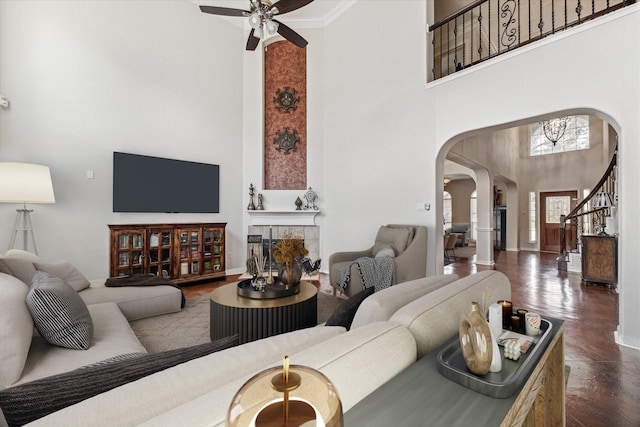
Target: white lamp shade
[
  {"x": 602, "y": 200},
  {"x": 25, "y": 183}
]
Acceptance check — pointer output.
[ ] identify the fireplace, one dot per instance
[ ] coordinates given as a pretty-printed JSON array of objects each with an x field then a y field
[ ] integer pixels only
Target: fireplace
[
  {"x": 280, "y": 223},
  {"x": 258, "y": 240}
]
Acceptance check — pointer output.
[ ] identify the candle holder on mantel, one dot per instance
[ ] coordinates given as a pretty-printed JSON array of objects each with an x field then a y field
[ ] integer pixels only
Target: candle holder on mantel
[
  {"x": 251, "y": 206},
  {"x": 270, "y": 280}
]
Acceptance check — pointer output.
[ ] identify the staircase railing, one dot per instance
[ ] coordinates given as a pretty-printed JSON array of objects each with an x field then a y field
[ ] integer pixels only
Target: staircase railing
[
  {"x": 488, "y": 28},
  {"x": 583, "y": 218}
]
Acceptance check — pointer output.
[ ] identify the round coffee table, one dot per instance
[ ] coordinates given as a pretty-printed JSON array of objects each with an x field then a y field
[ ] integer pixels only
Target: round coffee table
[{"x": 253, "y": 319}]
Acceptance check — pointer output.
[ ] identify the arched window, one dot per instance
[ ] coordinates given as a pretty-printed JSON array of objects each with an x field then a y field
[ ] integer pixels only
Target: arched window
[
  {"x": 446, "y": 210},
  {"x": 473, "y": 210},
  {"x": 575, "y": 137}
]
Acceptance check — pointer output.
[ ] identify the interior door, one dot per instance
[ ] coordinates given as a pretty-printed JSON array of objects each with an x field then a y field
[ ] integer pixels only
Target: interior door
[{"x": 552, "y": 205}]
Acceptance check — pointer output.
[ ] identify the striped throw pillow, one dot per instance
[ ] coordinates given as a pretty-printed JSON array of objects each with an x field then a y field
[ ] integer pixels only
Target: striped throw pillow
[{"x": 59, "y": 314}]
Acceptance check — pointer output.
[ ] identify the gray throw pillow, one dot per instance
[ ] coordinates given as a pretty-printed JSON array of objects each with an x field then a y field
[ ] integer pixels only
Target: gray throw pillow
[
  {"x": 59, "y": 314},
  {"x": 396, "y": 237},
  {"x": 20, "y": 268},
  {"x": 388, "y": 251},
  {"x": 344, "y": 314},
  {"x": 65, "y": 271}
]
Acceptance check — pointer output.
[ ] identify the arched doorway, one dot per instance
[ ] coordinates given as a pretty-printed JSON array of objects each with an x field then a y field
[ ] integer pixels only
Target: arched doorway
[{"x": 501, "y": 159}]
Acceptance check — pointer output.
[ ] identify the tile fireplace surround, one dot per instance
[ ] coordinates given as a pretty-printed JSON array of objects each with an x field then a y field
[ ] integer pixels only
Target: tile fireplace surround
[
  {"x": 310, "y": 235},
  {"x": 297, "y": 223}
]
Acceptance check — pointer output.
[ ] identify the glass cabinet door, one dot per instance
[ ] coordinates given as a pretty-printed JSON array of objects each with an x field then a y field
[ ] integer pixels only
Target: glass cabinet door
[
  {"x": 160, "y": 253},
  {"x": 137, "y": 253},
  {"x": 216, "y": 248},
  {"x": 207, "y": 250},
  {"x": 130, "y": 257},
  {"x": 190, "y": 252}
]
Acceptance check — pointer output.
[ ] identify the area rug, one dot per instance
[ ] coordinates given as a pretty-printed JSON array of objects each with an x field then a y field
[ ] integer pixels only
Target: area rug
[{"x": 190, "y": 326}]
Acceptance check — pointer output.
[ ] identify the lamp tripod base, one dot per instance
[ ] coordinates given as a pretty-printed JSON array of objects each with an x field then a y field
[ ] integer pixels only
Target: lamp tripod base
[{"x": 23, "y": 223}]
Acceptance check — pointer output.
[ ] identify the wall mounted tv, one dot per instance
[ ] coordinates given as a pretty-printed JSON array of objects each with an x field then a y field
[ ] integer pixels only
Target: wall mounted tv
[{"x": 154, "y": 184}]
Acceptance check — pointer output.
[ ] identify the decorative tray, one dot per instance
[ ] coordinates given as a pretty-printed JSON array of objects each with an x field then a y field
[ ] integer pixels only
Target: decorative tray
[
  {"x": 501, "y": 384},
  {"x": 277, "y": 290}
]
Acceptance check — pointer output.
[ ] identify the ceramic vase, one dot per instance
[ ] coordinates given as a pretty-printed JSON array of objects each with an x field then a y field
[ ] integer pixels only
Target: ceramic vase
[
  {"x": 290, "y": 276},
  {"x": 496, "y": 360},
  {"x": 475, "y": 340}
]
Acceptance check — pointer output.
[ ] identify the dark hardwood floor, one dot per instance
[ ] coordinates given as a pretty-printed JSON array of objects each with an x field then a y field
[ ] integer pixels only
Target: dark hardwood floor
[{"x": 603, "y": 387}]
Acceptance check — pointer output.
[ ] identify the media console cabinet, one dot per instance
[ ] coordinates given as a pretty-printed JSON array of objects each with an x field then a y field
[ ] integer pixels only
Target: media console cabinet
[{"x": 183, "y": 252}]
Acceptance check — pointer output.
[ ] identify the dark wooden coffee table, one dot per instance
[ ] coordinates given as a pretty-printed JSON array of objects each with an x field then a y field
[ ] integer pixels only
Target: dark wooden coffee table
[{"x": 253, "y": 319}]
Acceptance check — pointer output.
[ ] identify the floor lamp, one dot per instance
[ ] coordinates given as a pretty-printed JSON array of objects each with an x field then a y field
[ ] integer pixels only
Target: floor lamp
[{"x": 25, "y": 183}]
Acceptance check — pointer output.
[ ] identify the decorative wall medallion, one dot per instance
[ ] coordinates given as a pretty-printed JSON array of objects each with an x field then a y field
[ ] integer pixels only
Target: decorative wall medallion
[
  {"x": 286, "y": 140},
  {"x": 286, "y": 99}
]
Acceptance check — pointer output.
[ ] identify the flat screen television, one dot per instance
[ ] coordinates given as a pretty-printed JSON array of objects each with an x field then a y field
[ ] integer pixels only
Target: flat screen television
[{"x": 155, "y": 184}]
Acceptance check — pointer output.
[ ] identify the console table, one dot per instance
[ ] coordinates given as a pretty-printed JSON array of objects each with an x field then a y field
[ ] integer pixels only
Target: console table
[
  {"x": 420, "y": 395},
  {"x": 253, "y": 319},
  {"x": 600, "y": 259}
]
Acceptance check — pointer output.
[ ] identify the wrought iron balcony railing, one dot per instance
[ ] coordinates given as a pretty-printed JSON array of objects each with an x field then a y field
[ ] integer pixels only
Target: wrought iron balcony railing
[{"x": 488, "y": 28}]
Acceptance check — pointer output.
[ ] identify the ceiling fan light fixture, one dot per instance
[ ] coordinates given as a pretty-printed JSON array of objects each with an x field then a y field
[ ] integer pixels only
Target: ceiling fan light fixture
[
  {"x": 272, "y": 27},
  {"x": 260, "y": 16},
  {"x": 255, "y": 21}
]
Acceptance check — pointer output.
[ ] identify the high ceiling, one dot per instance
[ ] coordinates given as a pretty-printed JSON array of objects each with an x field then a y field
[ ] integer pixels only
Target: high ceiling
[{"x": 317, "y": 14}]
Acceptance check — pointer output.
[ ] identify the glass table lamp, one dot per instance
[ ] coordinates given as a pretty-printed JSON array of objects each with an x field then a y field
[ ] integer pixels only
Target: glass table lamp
[{"x": 286, "y": 396}]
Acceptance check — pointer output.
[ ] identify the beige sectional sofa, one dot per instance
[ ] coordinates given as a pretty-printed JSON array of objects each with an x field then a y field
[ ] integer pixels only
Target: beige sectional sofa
[
  {"x": 24, "y": 354},
  {"x": 390, "y": 331}
]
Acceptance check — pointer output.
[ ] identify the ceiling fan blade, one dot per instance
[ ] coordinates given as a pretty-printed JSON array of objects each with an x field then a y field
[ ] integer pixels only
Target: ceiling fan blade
[
  {"x": 285, "y": 6},
  {"x": 225, "y": 11},
  {"x": 291, "y": 35},
  {"x": 252, "y": 41}
]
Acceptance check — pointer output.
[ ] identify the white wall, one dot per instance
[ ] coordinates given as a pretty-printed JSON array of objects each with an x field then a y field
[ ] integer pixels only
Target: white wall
[
  {"x": 382, "y": 132},
  {"x": 377, "y": 164},
  {"x": 569, "y": 87},
  {"x": 86, "y": 78}
]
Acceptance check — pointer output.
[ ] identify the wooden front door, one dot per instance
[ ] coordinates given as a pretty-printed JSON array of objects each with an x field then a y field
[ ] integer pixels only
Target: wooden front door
[{"x": 552, "y": 205}]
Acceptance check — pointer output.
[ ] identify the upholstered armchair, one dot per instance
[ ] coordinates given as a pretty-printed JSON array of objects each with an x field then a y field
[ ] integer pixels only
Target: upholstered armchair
[
  {"x": 409, "y": 243},
  {"x": 462, "y": 230}
]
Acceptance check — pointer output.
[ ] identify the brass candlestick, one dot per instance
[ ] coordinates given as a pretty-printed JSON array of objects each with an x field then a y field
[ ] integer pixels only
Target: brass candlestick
[{"x": 270, "y": 277}]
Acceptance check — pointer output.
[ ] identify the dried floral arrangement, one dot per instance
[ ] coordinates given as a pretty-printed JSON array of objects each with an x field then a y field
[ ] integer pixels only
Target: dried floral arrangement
[
  {"x": 487, "y": 299},
  {"x": 288, "y": 249}
]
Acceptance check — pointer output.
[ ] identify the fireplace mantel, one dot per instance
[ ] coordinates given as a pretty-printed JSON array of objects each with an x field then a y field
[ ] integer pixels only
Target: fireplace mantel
[{"x": 306, "y": 217}]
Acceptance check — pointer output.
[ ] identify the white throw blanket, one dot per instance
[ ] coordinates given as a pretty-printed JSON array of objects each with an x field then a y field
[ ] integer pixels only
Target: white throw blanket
[{"x": 374, "y": 272}]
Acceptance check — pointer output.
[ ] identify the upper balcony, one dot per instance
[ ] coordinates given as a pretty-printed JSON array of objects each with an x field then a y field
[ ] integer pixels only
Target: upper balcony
[{"x": 488, "y": 28}]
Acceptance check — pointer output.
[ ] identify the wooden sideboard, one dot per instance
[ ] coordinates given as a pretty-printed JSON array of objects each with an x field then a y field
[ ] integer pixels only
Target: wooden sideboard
[
  {"x": 183, "y": 252},
  {"x": 420, "y": 395},
  {"x": 600, "y": 259}
]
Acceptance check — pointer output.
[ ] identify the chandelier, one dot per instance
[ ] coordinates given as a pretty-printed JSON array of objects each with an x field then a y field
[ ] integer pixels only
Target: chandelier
[
  {"x": 261, "y": 18},
  {"x": 554, "y": 129},
  {"x": 446, "y": 180}
]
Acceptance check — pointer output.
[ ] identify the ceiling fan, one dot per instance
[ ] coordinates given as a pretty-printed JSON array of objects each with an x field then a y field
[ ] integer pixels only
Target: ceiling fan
[{"x": 261, "y": 15}]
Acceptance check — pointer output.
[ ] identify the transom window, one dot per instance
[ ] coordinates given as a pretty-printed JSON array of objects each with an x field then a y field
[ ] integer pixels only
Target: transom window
[{"x": 576, "y": 137}]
